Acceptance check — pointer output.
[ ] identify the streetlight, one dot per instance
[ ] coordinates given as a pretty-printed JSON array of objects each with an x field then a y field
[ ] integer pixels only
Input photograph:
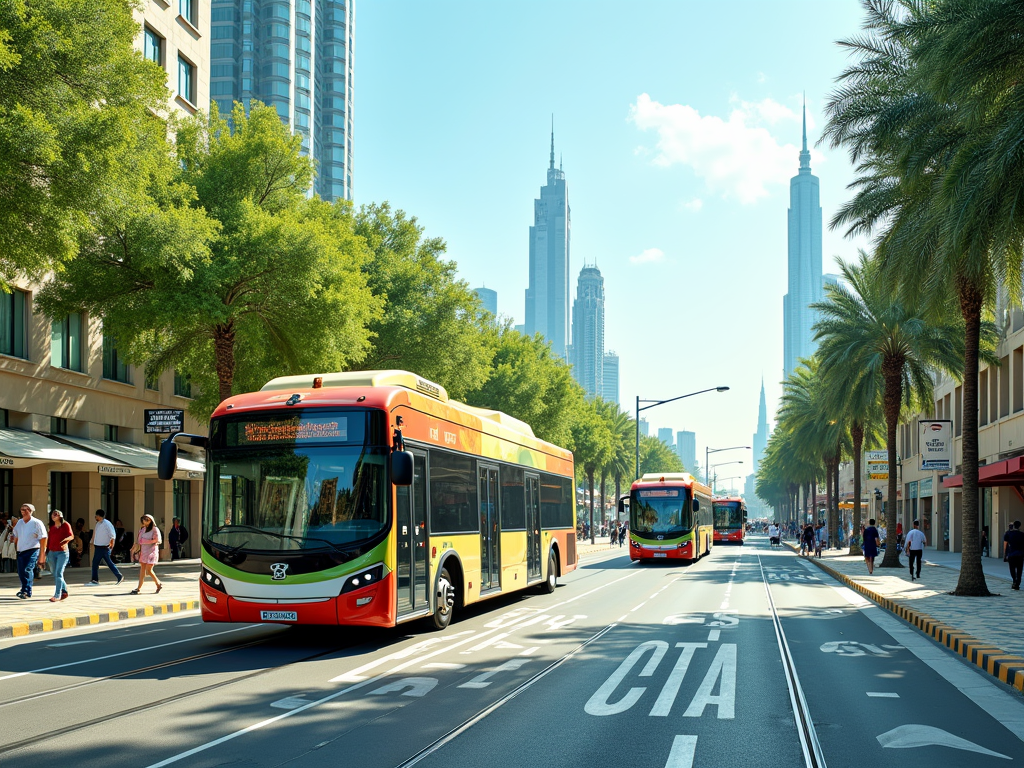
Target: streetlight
[
  {"x": 654, "y": 403},
  {"x": 725, "y": 479},
  {"x": 708, "y": 451},
  {"x": 716, "y": 466}
]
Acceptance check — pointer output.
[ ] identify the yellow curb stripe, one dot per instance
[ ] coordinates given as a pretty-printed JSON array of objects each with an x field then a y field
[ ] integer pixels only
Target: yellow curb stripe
[
  {"x": 20, "y": 629},
  {"x": 993, "y": 661}
]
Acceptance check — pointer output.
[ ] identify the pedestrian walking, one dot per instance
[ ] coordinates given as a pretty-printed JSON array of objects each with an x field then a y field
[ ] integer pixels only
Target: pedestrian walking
[
  {"x": 984, "y": 542},
  {"x": 8, "y": 552},
  {"x": 58, "y": 552},
  {"x": 103, "y": 539},
  {"x": 870, "y": 545},
  {"x": 914, "y": 545},
  {"x": 29, "y": 538},
  {"x": 1013, "y": 552},
  {"x": 147, "y": 548},
  {"x": 176, "y": 537}
]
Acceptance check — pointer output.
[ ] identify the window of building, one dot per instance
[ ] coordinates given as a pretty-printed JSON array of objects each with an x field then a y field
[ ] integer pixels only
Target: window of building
[
  {"x": 223, "y": 14},
  {"x": 222, "y": 88},
  {"x": 153, "y": 380},
  {"x": 222, "y": 70},
  {"x": 5, "y": 418},
  {"x": 114, "y": 366},
  {"x": 1004, "y": 387},
  {"x": 279, "y": 30},
  {"x": 1018, "y": 379},
  {"x": 58, "y": 426},
  {"x": 110, "y": 433},
  {"x": 983, "y": 398},
  {"x": 153, "y": 46},
  {"x": 302, "y": 119},
  {"x": 222, "y": 51},
  {"x": 188, "y": 11},
  {"x": 182, "y": 500},
  {"x": 186, "y": 80},
  {"x": 12, "y": 323},
  {"x": 302, "y": 62},
  {"x": 222, "y": 33},
  {"x": 109, "y": 497},
  {"x": 302, "y": 24},
  {"x": 60, "y": 493},
  {"x": 182, "y": 385},
  {"x": 7, "y": 491},
  {"x": 958, "y": 406},
  {"x": 66, "y": 342}
]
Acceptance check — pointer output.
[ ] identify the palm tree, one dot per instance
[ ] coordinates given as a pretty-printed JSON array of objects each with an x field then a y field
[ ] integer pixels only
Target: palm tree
[{"x": 622, "y": 460}]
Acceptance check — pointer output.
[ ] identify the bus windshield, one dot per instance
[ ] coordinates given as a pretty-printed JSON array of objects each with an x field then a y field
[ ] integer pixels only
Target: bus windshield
[
  {"x": 728, "y": 515},
  {"x": 660, "y": 511},
  {"x": 290, "y": 483}
]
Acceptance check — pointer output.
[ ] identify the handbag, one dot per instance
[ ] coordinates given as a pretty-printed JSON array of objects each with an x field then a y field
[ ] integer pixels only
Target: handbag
[{"x": 10, "y": 550}]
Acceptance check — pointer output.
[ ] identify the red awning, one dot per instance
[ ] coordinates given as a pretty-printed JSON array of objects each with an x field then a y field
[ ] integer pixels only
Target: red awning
[{"x": 1002, "y": 473}]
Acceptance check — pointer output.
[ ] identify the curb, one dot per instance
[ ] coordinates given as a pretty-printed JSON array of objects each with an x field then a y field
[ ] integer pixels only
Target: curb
[
  {"x": 1005, "y": 667},
  {"x": 25, "y": 628}
]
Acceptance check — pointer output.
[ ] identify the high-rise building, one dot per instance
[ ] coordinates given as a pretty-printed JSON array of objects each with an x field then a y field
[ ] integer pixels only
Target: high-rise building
[
  {"x": 547, "y": 297},
  {"x": 611, "y": 378},
  {"x": 587, "y": 354},
  {"x": 686, "y": 447},
  {"x": 755, "y": 507},
  {"x": 645, "y": 428},
  {"x": 488, "y": 299},
  {"x": 297, "y": 56},
  {"x": 665, "y": 435},
  {"x": 805, "y": 281}
]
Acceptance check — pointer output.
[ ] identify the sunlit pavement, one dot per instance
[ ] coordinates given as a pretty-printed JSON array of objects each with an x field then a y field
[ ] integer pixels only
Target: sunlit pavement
[{"x": 751, "y": 657}]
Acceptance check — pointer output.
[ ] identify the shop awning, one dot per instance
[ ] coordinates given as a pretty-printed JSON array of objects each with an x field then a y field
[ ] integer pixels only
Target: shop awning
[
  {"x": 21, "y": 448},
  {"x": 1002, "y": 473},
  {"x": 128, "y": 459}
]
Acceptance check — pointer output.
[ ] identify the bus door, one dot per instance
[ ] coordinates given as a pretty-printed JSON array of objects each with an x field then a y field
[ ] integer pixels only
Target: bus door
[
  {"x": 490, "y": 531},
  {"x": 533, "y": 557},
  {"x": 411, "y": 537}
]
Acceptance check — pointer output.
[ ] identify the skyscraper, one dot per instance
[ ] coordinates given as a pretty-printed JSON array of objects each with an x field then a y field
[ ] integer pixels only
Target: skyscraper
[
  {"x": 686, "y": 446},
  {"x": 645, "y": 427},
  {"x": 611, "y": 378},
  {"x": 297, "y": 56},
  {"x": 587, "y": 353},
  {"x": 488, "y": 299},
  {"x": 756, "y": 507},
  {"x": 804, "y": 263},
  {"x": 665, "y": 435},
  {"x": 547, "y": 298}
]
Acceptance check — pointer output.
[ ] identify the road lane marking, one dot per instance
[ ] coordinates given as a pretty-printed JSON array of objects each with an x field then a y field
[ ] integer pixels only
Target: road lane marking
[
  {"x": 683, "y": 750},
  {"x": 356, "y": 675},
  {"x": 443, "y": 665},
  {"x": 484, "y": 679},
  {"x": 883, "y": 695},
  {"x": 530, "y": 651},
  {"x": 72, "y": 642},
  {"x": 713, "y": 635},
  {"x": 670, "y": 690},
  {"x": 599, "y": 705},
  {"x": 124, "y": 653},
  {"x": 638, "y": 607},
  {"x": 722, "y": 669},
  {"x": 911, "y": 736},
  {"x": 291, "y": 702},
  {"x": 417, "y": 687}
]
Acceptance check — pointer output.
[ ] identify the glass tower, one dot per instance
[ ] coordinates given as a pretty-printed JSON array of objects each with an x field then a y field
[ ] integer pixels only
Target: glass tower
[
  {"x": 297, "y": 56},
  {"x": 587, "y": 351}
]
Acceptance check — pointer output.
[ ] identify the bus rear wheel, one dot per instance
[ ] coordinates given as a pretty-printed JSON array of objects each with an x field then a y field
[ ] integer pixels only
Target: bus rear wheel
[
  {"x": 445, "y": 605},
  {"x": 552, "y": 580}
]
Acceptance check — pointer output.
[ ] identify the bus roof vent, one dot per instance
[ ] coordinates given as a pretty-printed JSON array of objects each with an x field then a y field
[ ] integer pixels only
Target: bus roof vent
[
  {"x": 667, "y": 477},
  {"x": 361, "y": 379}
]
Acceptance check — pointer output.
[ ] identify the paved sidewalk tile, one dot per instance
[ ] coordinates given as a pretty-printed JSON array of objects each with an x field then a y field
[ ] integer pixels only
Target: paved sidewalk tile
[
  {"x": 982, "y": 629},
  {"x": 96, "y": 605}
]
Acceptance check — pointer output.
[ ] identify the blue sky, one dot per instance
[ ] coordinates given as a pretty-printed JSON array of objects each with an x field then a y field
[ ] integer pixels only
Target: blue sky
[{"x": 679, "y": 127}]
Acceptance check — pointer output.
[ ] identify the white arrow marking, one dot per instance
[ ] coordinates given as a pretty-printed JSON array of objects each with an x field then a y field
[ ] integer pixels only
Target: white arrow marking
[
  {"x": 292, "y": 702},
  {"x": 443, "y": 665},
  {"x": 911, "y": 736},
  {"x": 483, "y": 680},
  {"x": 417, "y": 686},
  {"x": 683, "y": 750}
]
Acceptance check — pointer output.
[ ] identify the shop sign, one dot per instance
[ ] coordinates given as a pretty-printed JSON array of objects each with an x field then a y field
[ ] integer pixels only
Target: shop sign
[
  {"x": 164, "y": 421},
  {"x": 877, "y": 463},
  {"x": 194, "y": 475},
  {"x": 5, "y": 462},
  {"x": 925, "y": 487},
  {"x": 912, "y": 489},
  {"x": 936, "y": 445},
  {"x": 105, "y": 469}
]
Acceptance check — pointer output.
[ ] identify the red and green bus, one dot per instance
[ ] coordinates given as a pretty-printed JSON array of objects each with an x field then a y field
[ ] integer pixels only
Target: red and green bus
[
  {"x": 669, "y": 517},
  {"x": 371, "y": 498},
  {"x": 730, "y": 519}
]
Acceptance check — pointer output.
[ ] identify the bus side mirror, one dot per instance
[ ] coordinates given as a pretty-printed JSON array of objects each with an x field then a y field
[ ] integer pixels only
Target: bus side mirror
[
  {"x": 401, "y": 468},
  {"x": 621, "y": 507},
  {"x": 696, "y": 505},
  {"x": 168, "y": 461}
]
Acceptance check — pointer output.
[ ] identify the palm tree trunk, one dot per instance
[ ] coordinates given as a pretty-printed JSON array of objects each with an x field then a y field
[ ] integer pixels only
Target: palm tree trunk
[
  {"x": 618, "y": 495},
  {"x": 828, "y": 494},
  {"x": 857, "y": 434},
  {"x": 833, "y": 531},
  {"x": 590, "y": 481},
  {"x": 604, "y": 478},
  {"x": 972, "y": 577},
  {"x": 891, "y": 401}
]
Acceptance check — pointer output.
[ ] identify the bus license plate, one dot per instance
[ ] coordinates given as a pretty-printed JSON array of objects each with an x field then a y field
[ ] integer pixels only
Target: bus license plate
[
  {"x": 661, "y": 554},
  {"x": 279, "y": 615}
]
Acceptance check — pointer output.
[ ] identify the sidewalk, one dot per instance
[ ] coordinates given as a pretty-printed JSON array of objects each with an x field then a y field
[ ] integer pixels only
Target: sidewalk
[
  {"x": 984, "y": 630},
  {"x": 96, "y": 605}
]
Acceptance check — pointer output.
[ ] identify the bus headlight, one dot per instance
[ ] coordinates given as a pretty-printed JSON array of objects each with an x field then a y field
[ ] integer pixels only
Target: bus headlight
[
  {"x": 365, "y": 578},
  {"x": 213, "y": 581}
]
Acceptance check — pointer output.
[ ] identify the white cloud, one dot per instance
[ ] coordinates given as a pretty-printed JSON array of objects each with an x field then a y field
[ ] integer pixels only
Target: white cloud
[
  {"x": 737, "y": 157},
  {"x": 649, "y": 256},
  {"x": 692, "y": 205}
]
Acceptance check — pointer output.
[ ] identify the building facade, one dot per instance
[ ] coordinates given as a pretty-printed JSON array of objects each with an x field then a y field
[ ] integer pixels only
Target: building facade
[
  {"x": 72, "y": 432},
  {"x": 587, "y": 352},
  {"x": 645, "y": 427},
  {"x": 686, "y": 447},
  {"x": 666, "y": 436},
  {"x": 298, "y": 57},
  {"x": 547, "y": 297},
  {"x": 611, "y": 378},
  {"x": 804, "y": 263},
  {"x": 488, "y": 299},
  {"x": 756, "y": 507}
]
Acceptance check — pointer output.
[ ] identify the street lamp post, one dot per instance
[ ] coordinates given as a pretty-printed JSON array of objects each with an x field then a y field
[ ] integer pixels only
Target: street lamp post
[
  {"x": 654, "y": 403},
  {"x": 708, "y": 451},
  {"x": 724, "y": 479},
  {"x": 716, "y": 466}
]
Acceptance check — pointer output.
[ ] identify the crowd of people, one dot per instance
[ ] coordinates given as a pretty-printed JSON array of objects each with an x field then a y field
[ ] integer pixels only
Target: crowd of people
[
  {"x": 616, "y": 532},
  {"x": 27, "y": 544}
]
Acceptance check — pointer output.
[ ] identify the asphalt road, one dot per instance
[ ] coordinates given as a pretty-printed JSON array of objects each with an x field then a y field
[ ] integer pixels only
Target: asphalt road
[{"x": 750, "y": 657}]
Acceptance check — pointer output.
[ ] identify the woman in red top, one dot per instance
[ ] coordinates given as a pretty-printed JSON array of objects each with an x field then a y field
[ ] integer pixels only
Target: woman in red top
[{"x": 57, "y": 553}]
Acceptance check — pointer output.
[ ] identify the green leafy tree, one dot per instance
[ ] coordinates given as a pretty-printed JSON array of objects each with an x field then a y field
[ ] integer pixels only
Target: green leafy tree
[
  {"x": 75, "y": 101},
  {"x": 232, "y": 274},
  {"x": 592, "y": 446},
  {"x": 655, "y": 457},
  {"x": 431, "y": 322},
  {"x": 525, "y": 380}
]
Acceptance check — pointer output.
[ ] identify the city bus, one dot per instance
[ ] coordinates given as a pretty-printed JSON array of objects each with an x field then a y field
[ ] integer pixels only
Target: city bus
[
  {"x": 669, "y": 517},
  {"x": 370, "y": 498},
  {"x": 730, "y": 519}
]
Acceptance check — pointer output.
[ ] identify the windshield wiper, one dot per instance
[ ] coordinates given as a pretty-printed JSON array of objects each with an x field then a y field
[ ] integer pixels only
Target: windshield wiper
[{"x": 272, "y": 533}]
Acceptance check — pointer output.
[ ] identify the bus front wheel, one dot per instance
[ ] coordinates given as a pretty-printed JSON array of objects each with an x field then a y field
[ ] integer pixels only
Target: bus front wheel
[
  {"x": 552, "y": 580},
  {"x": 445, "y": 600}
]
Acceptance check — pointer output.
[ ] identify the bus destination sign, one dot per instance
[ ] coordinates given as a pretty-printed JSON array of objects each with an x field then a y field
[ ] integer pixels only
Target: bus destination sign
[
  {"x": 299, "y": 429},
  {"x": 659, "y": 493}
]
